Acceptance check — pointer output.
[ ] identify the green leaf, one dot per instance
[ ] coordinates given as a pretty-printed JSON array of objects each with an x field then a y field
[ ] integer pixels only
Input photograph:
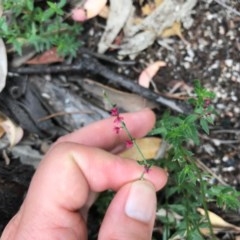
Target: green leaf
[
  {"x": 4, "y": 30},
  {"x": 55, "y": 8},
  {"x": 210, "y": 119},
  {"x": 156, "y": 131},
  {"x": 62, "y": 3},
  {"x": 226, "y": 196},
  {"x": 191, "y": 118},
  {"x": 187, "y": 174},
  {"x": 199, "y": 110},
  {"x": 204, "y": 125},
  {"x": 46, "y": 15},
  {"x": 195, "y": 234},
  {"x": 189, "y": 132},
  {"x": 30, "y": 5}
]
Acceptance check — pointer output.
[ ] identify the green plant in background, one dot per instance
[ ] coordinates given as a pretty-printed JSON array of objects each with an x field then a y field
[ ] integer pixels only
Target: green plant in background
[
  {"x": 41, "y": 24},
  {"x": 189, "y": 188}
]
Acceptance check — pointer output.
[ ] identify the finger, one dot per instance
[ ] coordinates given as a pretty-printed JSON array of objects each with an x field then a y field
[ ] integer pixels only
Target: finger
[
  {"x": 101, "y": 171},
  {"x": 63, "y": 181},
  {"x": 101, "y": 134},
  {"x": 132, "y": 212}
]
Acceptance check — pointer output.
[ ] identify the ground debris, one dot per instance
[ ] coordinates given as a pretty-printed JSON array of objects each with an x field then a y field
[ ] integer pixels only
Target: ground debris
[{"x": 139, "y": 36}]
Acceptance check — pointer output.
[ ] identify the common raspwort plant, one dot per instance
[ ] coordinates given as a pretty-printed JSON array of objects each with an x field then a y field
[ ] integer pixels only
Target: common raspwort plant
[
  {"x": 120, "y": 124},
  {"x": 189, "y": 188},
  {"x": 40, "y": 24}
]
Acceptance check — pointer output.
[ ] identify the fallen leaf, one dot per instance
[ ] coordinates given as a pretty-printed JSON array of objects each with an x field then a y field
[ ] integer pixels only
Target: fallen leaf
[
  {"x": 174, "y": 30},
  {"x": 90, "y": 9},
  {"x": 2, "y": 131},
  {"x": 133, "y": 45},
  {"x": 3, "y": 65},
  {"x": 104, "y": 12},
  {"x": 149, "y": 147},
  {"x": 217, "y": 223},
  {"x": 158, "y": 2},
  {"x": 14, "y": 133},
  {"x": 149, "y": 7},
  {"x": 49, "y": 56},
  {"x": 28, "y": 52},
  {"x": 129, "y": 102},
  {"x": 173, "y": 216},
  {"x": 149, "y": 72},
  {"x": 93, "y": 7},
  {"x": 119, "y": 12}
]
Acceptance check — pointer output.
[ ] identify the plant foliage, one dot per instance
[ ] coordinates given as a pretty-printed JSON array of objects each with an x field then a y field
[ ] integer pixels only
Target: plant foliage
[
  {"x": 189, "y": 187},
  {"x": 41, "y": 24}
]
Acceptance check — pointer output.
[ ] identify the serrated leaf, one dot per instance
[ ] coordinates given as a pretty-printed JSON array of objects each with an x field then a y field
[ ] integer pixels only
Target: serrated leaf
[
  {"x": 191, "y": 118},
  {"x": 228, "y": 200},
  {"x": 199, "y": 110},
  {"x": 210, "y": 119},
  {"x": 191, "y": 133},
  {"x": 62, "y": 3},
  {"x": 186, "y": 174},
  {"x": 157, "y": 131},
  {"x": 30, "y": 5},
  {"x": 204, "y": 125}
]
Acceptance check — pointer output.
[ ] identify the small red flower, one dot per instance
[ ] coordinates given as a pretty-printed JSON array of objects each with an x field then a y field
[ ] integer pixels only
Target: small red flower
[
  {"x": 117, "y": 129},
  {"x": 146, "y": 169},
  {"x": 207, "y": 102},
  {"x": 114, "y": 112},
  {"x": 129, "y": 143},
  {"x": 118, "y": 119}
]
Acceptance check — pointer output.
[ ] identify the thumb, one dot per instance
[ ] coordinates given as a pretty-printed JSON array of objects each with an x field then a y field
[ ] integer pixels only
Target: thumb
[{"x": 131, "y": 214}]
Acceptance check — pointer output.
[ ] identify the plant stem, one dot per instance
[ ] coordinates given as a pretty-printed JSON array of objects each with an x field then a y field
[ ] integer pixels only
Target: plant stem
[
  {"x": 134, "y": 142},
  {"x": 203, "y": 198},
  {"x": 146, "y": 164},
  {"x": 187, "y": 214}
]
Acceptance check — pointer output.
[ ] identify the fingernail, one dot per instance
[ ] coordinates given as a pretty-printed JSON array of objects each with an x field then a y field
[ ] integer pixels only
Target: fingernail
[{"x": 141, "y": 201}]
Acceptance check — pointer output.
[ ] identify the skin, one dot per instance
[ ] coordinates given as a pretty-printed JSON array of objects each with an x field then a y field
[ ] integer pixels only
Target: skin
[{"x": 76, "y": 168}]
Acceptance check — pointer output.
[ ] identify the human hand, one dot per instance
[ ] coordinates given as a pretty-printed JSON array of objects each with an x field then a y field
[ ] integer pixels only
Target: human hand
[{"x": 77, "y": 167}]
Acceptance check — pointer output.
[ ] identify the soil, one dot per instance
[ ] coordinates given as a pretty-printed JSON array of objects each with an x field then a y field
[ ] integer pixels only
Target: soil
[{"x": 212, "y": 56}]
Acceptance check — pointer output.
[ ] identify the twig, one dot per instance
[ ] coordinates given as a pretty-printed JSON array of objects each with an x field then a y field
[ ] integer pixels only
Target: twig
[
  {"x": 231, "y": 9},
  {"x": 217, "y": 141},
  {"x": 6, "y": 157},
  {"x": 107, "y": 58},
  {"x": 235, "y": 131},
  {"x": 162, "y": 150},
  {"x": 207, "y": 169},
  {"x": 88, "y": 64},
  {"x": 58, "y": 114}
]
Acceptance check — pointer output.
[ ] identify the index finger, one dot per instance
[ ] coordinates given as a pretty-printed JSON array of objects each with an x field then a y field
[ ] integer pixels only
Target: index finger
[{"x": 102, "y": 135}]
